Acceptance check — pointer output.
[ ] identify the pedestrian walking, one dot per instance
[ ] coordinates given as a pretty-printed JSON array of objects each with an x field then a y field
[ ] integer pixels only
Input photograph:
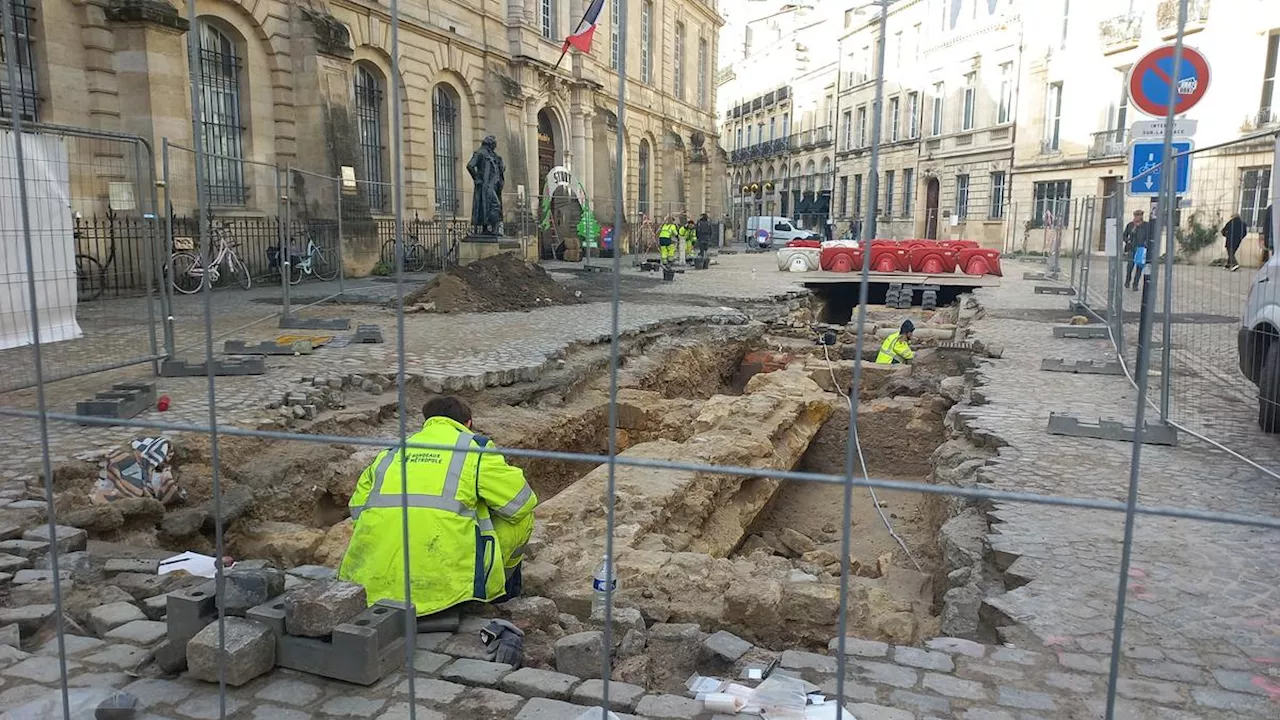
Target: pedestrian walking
[
  {"x": 1234, "y": 232},
  {"x": 1137, "y": 234}
]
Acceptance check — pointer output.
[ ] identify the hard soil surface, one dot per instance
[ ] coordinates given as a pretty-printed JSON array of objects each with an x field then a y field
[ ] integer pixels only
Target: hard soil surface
[{"x": 501, "y": 283}]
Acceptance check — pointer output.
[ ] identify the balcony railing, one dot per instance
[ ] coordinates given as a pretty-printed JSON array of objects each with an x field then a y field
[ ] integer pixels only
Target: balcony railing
[
  {"x": 1167, "y": 16},
  {"x": 1261, "y": 119},
  {"x": 1108, "y": 143},
  {"x": 815, "y": 137},
  {"x": 761, "y": 150},
  {"x": 1121, "y": 32}
]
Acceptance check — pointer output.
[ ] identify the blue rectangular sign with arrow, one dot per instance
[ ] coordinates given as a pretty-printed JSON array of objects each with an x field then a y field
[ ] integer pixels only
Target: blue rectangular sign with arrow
[{"x": 1144, "y": 168}]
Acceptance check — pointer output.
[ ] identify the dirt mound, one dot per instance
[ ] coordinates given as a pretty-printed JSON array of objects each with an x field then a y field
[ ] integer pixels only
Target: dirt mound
[{"x": 500, "y": 283}]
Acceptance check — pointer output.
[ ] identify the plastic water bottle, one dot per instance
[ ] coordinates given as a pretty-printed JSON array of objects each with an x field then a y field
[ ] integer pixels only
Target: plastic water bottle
[{"x": 600, "y": 584}]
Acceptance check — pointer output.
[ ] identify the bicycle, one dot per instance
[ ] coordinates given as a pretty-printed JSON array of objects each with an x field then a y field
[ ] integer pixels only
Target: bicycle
[
  {"x": 317, "y": 261},
  {"x": 190, "y": 271},
  {"x": 91, "y": 273},
  {"x": 415, "y": 253}
]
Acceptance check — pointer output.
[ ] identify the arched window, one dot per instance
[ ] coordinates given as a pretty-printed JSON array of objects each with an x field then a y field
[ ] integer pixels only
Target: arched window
[
  {"x": 825, "y": 177},
  {"x": 369, "y": 120},
  {"x": 220, "y": 116},
  {"x": 643, "y": 195},
  {"x": 786, "y": 177},
  {"x": 444, "y": 109},
  {"x": 811, "y": 172},
  {"x": 771, "y": 174}
]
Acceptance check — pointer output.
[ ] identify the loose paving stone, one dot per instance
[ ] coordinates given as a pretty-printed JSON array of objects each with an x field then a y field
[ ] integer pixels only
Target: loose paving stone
[
  {"x": 1085, "y": 663},
  {"x": 859, "y": 647},
  {"x": 957, "y": 646},
  {"x": 73, "y": 645},
  {"x": 580, "y": 654},
  {"x": 1026, "y": 699},
  {"x": 118, "y": 657},
  {"x": 153, "y": 691},
  {"x": 869, "y": 711},
  {"x": 250, "y": 651},
  {"x": 94, "y": 680},
  {"x": 923, "y": 703},
  {"x": 927, "y": 659},
  {"x": 41, "y": 669},
  {"x": 289, "y": 691},
  {"x": 352, "y": 706},
  {"x": 986, "y": 670},
  {"x": 400, "y": 711},
  {"x": 315, "y": 609},
  {"x": 28, "y": 618},
  {"x": 25, "y": 577},
  {"x": 725, "y": 646},
  {"x": 437, "y": 691},
  {"x": 133, "y": 565},
  {"x": 139, "y": 632},
  {"x": 29, "y": 549},
  {"x": 447, "y": 621},
  {"x": 105, "y": 618},
  {"x": 23, "y": 694},
  {"x": 9, "y": 635},
  {"x": 668, "y": 707},
  {"x": 954, "y": 687},
  {"x": 429, "y": 663},
  {"x": 476, "y": 672},
  {"x": 206, "y": 706},
  {"x": 986, "y": 714},
  {"x": 532, "y": 682},
  {"x": 622, "y": 696},
  {"x": 885, "y": 674},
  {"x": 811, "y": 666},
  {"x": 66, "y": 539},
  {"x": 155, "y": 607},
  {"x": 276, "y": 712}
]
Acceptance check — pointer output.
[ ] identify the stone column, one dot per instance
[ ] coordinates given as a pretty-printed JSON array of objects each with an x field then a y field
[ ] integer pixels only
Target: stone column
[
  {"x": 533, "y": 183},
  {"x": 587, "y": 165}
]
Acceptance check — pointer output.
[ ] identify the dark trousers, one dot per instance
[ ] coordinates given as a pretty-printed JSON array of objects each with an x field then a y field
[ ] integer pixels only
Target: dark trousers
[
  {"x": 515, "y": 585},
  {"x": 1231, "y": 255},
  {"x": 1133, "y": 274}
]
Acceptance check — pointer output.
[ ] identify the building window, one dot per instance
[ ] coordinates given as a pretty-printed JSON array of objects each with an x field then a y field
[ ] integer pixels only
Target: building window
[
  {"x": 549, "y": 19},
  {"x": 862, "y": 126},
  {"x": 824, "y": 180},
  {"x": 615, "y": 23},
  {"x": 643, "y": 177},
  {"x": 970, "y": 100},
  {"x": 1255, "y": 186},
  {"x": 1051, "y": 200},
  {"x": 750, "y": 127},
  {"x": 738, "y": 144},
  {"x": 844, "y": 196},
  {"x": 773, "y": 129},
  {"x": 1004, "y": 113},
  {"x": 1268, "y": 111},
  {"x": 1053, "y": 116},
  {"x": 1066, "y": 14},
  {"x": 678, "y": 58},
  {"x": 895, "y": 117},
  {"x": 846, "y": 122},
  {"x": 938, "y": 106},
  {"x": 857, "y": 195},
  {"x": 908, "y": 190},
  {"x": 703, "y": 55},
  {"x": 444, "y": 130},
  {"x": 28, "y": 91},
  {"x": 887, "y": 211},
  {"x": 996, "y": 211},
  {"x": 646, "y": 42},
  {"x": 913, "y": 115},
  {"x": 1121, "y": 115},
  {"x": 220, "y": 116},
  {"x": 962, "y": 196},
  {"x": 369, "y": 115},
  {"x": 786, "y": 124}
]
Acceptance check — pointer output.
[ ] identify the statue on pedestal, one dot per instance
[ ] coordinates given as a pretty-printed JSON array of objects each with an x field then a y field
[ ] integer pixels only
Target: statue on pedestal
[{"x": 487, "y": 171}]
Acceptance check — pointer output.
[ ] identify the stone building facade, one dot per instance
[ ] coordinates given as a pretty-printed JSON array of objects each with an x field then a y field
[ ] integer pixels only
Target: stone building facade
[{"x": 305, "y": 84}]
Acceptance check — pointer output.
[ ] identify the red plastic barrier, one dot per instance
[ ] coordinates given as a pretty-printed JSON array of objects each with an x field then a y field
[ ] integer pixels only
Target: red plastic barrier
[
  {"x": 980, "y": 261},
  {"x": 840, "y": 259},
  {"x": 958, "y": 244},
  {"x": 805, "y": 243},
  {"x": 932, "y": 260},
  {"x": 889, "y": 258}
]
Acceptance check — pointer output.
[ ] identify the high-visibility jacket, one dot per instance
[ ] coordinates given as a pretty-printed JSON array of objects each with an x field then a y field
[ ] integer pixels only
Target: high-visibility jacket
[
  {"x": 894, "y": 349},
  {"x": 667, "y": 231},
  {"x": 470, "y": 515}
]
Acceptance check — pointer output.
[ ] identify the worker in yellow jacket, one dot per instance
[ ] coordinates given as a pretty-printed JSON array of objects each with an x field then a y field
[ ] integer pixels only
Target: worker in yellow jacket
[
  {"x": 470, "y": 516},
  {"x": 667, "y": 240},
  {"x": 688, "y": 234},
  {"x": 896, "y": 348}
]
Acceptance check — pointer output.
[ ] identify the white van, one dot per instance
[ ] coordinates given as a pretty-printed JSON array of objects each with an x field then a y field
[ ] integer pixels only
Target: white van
[{"x": 781, "y": 230}]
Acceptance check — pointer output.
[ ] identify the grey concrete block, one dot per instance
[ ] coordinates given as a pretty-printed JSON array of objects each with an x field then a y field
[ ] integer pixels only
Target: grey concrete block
[
  {"x": 362, "y": 651},
  {"x": 1155, "y": 433},
  {"x": 724, "y": 646},
  {"x": 294, "y": 322},
  {"x": 367, "y": 334},
  {"x": 123, "y": 401},
  {"x": 188, "y": 611},
  {"x": 476, "y": 672},
  {"x": 622, "y": 696},
  {"x": 668, "y": 707},
  {"x": 248, "y": 365},
  {"x": 1082, "y": 367},
  {"x": 267, "y": 347},
  {"x": 105, "y": 618},
  {"x": 1054, "y": 290},
  {"x": 532, "y": 682},
  {"x": 315, "y": 609},
  {"x": 249, "y": 652},
  {"x": 138, "y": 632},
  {"x": 1082, "y": 332},
  {"x": 581, "y": 654}
]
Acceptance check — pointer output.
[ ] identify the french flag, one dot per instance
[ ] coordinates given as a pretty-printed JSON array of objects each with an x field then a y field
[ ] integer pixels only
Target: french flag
[{"x": 581, "y": 38}]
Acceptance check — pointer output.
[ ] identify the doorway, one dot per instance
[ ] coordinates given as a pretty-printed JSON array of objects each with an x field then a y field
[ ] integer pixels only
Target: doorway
[
  {"x": 931, "y": 196},
  {"x": 1110, "y": 209}
]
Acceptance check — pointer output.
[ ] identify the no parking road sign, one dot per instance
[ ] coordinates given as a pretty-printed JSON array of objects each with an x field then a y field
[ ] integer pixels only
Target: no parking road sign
[
  {"x": 1152, "y": 86},
  {"x": 1144, "y": 168}
]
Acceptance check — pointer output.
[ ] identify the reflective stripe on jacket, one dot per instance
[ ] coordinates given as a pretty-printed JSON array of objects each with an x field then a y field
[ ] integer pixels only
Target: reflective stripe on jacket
[
  {"x": 667, "y": 230},
  {"x": 894, "y": 349},
  {"x": 455, "y": 500}
]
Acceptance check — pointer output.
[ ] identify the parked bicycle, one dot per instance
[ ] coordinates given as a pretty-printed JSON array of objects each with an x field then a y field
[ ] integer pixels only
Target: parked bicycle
[
  {"x": 415, "y": 253},
  {"x": 190, "y": 271},
  {"x": 91, "y": 273},
  {"x": 317, "y": 260}
]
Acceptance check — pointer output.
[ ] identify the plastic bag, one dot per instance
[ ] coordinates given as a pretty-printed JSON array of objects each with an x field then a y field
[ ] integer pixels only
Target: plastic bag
[
  {"x": 781, "y": 697},
  {"x": 83, "y": 701}
]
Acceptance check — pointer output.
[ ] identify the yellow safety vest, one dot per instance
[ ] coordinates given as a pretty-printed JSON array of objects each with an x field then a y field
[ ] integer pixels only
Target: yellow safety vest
[
  {"x": 667, "y": 230},
  {"x": 470, "y": 515},
  {"x": 894, "y": 349}
]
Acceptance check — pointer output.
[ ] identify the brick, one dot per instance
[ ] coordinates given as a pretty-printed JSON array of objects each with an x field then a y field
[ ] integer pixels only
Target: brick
[
  {"x": 811, "y": 666},
  {"x": 250, "y": 652},
  {"x": 437, "y": 691},
  {"x": 1026, "y": 699},
  {"x": 105, "y": 618},
  {"x": 869, "y": 711},
  {"x": 724, "y": 646},
  {"x": 532, "y": 682},
  {"x": 206, "y": 706},
  {"x": 957, "y": 646},
  {"x": 476, "y": 672},
  {"x": 139, "y": 632},
  {"x": 924, "y": 703},
  {"x": 118, "y": 657},
  {"x": 288, "y": 691},
  {"x": 1085, "y": 663},
  {"x": 954, "y": 687},
  {"x": 66, "y": 539},
  {"x": 886, "y": 674},
  {"x": 352, "y": 705},
  {"x": 315, "y": 609},
  {"x": 41, "y": 669},
  {"x": 581, "y": 654},
  {"x": 1170, "y": 671},
  {"x": 400, "y": 711},
  {"x": 927, "y": 659},
  {"x": 622, "y": 696},
  {"x": 859, "y": 647},
  {"x": 668, "y": 707}
]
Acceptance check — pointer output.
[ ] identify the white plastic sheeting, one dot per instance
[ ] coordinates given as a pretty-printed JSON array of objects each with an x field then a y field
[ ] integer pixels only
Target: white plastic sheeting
[{"x": 48, "y": 185}]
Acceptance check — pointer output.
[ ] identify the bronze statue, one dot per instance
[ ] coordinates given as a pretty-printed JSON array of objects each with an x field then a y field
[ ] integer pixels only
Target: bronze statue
[{"x": 486, "y": 170}]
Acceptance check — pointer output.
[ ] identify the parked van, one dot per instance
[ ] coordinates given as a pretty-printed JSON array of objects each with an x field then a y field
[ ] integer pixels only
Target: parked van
[{"x": 781, "y": 230}]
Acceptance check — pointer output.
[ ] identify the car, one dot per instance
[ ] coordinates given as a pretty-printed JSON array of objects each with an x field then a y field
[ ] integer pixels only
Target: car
[{"x": 1258, "y": 343}]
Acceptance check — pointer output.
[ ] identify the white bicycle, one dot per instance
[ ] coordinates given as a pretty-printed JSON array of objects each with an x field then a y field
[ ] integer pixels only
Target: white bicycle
[{"x": 190, "y": 270}]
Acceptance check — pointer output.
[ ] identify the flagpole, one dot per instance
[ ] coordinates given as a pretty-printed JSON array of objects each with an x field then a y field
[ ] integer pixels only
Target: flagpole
[{"x": 564, "y": 49}]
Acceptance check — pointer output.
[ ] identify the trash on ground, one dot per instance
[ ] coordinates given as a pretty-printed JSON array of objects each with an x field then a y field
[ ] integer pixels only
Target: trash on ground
[
  {"x": 143, "y": 469},
  {"x": 190, "y": 563}
]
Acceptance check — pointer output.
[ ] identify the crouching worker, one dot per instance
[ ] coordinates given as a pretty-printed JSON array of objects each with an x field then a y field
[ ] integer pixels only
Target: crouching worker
[
  {"x": 897, "y": 348},
  {"x": 469, "y": 515}
]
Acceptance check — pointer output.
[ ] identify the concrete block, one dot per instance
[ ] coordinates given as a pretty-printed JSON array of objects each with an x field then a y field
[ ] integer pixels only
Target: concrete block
[
  {"x": 29, "y": 549},
  {"x": 679, "y": 646},
  {"x": 581, "y": 654},
  {"x": 250, "y": 652},
  {"x": 1154, "y": 434},
  {"x": 1055, "y": 290},
  {"x": 248, "y": 365},
  {"x": 138, "y": 632},
  {"x": 1083, "y": 367},
  {"x": 315, "y": 609},
  {"x": 532, "y": 682},
  {"x": 367, "y": 334},
  {"x": 293, "y": 322},
  {"x": 1082, "y": 332},
  {"x": 123, "y": 401},
  {"x": 668, "y": 707},
  {"x": 724, "y": 646},
  {"x": 267, "y": 347},
  {"x": 189, "y": 610},
  {"x": 362, "y": 651},
  {"x": 622, "y": 696},
  {"x": 246, "y": 588},
  {"x": 105, "y": 618}
]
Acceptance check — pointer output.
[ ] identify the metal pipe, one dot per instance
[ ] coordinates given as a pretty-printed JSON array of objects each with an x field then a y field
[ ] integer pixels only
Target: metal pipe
[
  {"x": 286, "y": 256},
  {"x": 342, "y": 265},
  {"x": 166, "y": 287},
  {"x": 148, "y": 256}
]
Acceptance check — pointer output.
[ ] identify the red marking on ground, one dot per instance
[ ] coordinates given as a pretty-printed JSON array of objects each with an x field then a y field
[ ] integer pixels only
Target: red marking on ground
[
  {"x": 1270, "y": 688},
  {"x": 1057, "y": 640},
  {"x": 1266, "y": 660},
  {"x": 1137, "y": 572}
]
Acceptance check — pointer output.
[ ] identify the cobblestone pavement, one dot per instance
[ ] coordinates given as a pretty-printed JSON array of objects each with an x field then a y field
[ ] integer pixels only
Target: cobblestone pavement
[{"x": 1201, "y": 595}]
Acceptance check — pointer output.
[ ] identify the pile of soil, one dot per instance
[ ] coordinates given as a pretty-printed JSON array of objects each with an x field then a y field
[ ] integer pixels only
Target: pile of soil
[{"x": 500, "y": 283}]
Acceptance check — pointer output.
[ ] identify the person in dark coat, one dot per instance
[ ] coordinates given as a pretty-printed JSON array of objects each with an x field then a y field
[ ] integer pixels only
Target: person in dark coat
[
  {"x": 1136, "y": 234},
  {"x": 704, "y": 232},
  {"x": 1234, "y": 232},
  {"x": 1268, "y": 235}
]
